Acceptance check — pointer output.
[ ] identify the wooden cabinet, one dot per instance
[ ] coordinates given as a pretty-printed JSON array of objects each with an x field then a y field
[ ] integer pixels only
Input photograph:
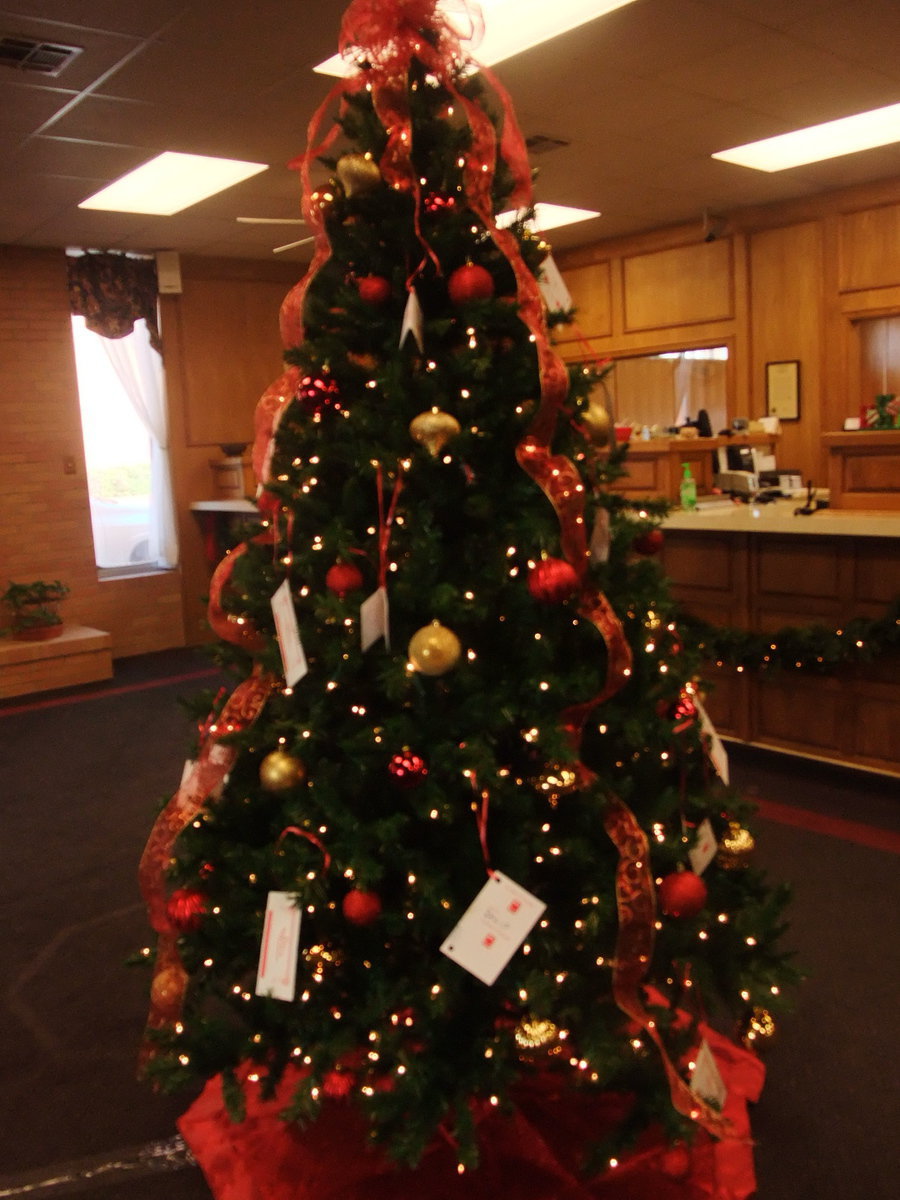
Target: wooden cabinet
[{"x": 768, "y": 581}]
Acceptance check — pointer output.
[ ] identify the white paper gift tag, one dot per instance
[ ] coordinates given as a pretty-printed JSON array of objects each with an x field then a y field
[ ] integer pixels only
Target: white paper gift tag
[
  {"x": 706, "y": 1080},
  {"x": 493, "y": 928},
  {"x": 373, "y": 619},
  {"x": 553, "y": 287},
  {"x": 600, "y": 537},
  {"x": 413, "y": 321},
  {"x": 277, "y": 971},
  {"x": 704, "y": 849},
  {"x": 293, "y": 660},
  {"x": 718, "y": 755}
]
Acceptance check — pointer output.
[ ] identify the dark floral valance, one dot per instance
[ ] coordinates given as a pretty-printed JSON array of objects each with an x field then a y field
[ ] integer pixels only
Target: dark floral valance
[{"x": 112, "y": 291}]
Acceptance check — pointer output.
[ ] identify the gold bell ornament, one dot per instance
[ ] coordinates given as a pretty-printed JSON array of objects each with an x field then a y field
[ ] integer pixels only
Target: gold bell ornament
[
  {"x": 433, "y": 430},
  {"x": 597, "y": 421},
  {"x": 434, "y": 649},
  {"x": 358, "y": 174}
]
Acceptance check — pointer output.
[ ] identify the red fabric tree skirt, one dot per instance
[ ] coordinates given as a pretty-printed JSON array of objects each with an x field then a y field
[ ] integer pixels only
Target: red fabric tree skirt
[{"x": 528, "y": 1156}]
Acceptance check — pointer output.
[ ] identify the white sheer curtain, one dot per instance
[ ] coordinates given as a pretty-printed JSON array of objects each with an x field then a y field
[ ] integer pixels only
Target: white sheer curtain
[{"x": 140, "y": 370}]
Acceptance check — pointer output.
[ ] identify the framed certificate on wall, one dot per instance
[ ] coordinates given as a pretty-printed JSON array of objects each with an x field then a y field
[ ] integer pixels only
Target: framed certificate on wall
[{"x": 783, "y": 390}]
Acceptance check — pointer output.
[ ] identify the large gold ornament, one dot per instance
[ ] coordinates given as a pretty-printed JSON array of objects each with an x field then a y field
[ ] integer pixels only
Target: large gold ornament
[
  {"x": 597, "y": 421},
  {"x": 279, "y": 771},
  {"x": 358, "y": 174},
  {"x": 434, "y": 649},
  {"x": 557, "y": 780},
  {"x": 536, "y": 1038},
  {"x": 434, "y": 429},
  {"x": 736, "y": 847},
  {"x": 167, "y": 990},
  {"x": 759, "y": 1029}
]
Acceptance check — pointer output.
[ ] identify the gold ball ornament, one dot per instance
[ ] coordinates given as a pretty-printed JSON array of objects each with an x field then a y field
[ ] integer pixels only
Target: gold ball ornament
[
  {"x": 434, "y": 649},
  {"x": 358, "y": 174},
  {"x": 557, "y": 780},
  {"x": 167, "y": 990},
  {"x": 536, "y": 1038},
  {"x": 736, "y": 847},
  {"x": 759, "y": 1029},
  {"x": 279, "y": 771},
  {"x": 597, "y": 421},
  {"x": 433, "y": 430}
]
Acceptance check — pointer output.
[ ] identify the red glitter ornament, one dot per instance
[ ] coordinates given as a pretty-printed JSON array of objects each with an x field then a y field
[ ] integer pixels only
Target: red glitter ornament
[
  {"x": 648, "y": 543},
  {"x": 552, "y": 580},
  {"x": 361, "y": 908},
  {"x": 408, "y": 770},
  {"x": 470, "y": 282},
  {"x": 683, "y": 712},
  {"x": 343, "y": 578},
  {"x": 185, "y": 909},
  {"x": 436, "y": 203},
  {"x": 682, "y": 894},
  {"x": 374, "y": 289},
  {"x": 317, "y": 393},
  {"x": 338, "y": 1084}
]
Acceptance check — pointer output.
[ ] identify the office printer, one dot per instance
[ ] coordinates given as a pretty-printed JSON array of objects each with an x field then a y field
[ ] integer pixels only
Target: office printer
[{"x": 736, "y": 470}]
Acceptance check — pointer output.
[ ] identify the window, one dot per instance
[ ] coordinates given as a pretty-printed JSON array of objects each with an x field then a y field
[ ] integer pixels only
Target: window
[
  {"x": 117, "y": 454},
  {"x": 121, "y": 385}
]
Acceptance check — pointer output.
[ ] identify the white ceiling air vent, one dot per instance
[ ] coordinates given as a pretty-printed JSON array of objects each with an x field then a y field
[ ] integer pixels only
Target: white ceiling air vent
[
  {"x": 42, "y": 58},
  {"x": 540, "y": 143}
]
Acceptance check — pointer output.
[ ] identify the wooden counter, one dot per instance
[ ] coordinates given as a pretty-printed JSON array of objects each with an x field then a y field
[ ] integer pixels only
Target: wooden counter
[
  {"x": 864, "y": 468},
  {"x": 766, "y": 569},
  {"x": 654, "y": 466}
]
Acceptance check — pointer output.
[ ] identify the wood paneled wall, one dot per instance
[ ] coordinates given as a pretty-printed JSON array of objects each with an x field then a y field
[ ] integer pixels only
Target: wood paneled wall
[
  {"x": 784, "y": 282},
  {"x": 222, "y": 350}
]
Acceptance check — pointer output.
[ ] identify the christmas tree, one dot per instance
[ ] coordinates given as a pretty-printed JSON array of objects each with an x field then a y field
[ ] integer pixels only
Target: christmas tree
[{"x": 459, "y": 825}]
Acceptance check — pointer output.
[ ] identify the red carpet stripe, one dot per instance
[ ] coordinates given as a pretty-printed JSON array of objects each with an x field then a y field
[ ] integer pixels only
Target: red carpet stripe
[
  {"x": 79, "y": 697},
  {"x": 813, "y": 822}
]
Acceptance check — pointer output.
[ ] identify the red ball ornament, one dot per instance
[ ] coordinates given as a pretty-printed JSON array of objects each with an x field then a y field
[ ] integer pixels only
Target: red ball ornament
[
  {"x": 552, "y": 580},
  {"x": 648, "y": 543},
  {"x": 343, "y": 578},
  {"x": 676, "y": 1162},
  {"x": 185, "y": 909},
  {"x": 317, "y": 393},
  {"x": 374, "y": 289},
  {"x": 408, "y": 770},
  {"x": 361, "y": 908},
  {"x": 470, "y": 282},
  {"x": 682, "y": 894}
]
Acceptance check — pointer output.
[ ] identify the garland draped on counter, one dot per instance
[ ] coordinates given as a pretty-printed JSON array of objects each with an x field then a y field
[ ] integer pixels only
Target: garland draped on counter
[{"x": 814, "y": 648}]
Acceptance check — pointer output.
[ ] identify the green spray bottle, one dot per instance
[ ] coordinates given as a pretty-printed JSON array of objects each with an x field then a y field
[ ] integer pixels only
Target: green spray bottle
[{"x": 687, "y": 491}]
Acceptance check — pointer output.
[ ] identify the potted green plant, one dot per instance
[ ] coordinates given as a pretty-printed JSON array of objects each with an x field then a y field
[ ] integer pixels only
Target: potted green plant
[{"x": 35, "y": 608}]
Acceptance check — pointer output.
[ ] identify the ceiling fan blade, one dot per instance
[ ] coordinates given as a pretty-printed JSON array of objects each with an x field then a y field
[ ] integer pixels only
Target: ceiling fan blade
[
  {"x": 270, "y": 220},
  {"x": 291, "y": 245}
]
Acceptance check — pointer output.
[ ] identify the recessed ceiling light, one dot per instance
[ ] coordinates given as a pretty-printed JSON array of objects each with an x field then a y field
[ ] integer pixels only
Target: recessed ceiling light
[
  {"x": 831, "y": 139},
  {"x": 550, "y": 216},
  {"x": 510, "y": 27},
  {"x": 171, "y": 182}
]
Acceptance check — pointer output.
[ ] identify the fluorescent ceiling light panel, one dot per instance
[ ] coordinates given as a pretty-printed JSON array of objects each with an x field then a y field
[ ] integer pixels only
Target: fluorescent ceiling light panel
[
  {"x": 171, "y": 182},
  {"x": 510, "y": 26},
  {"x": 847, "y": 135},
  {"x": 549, "y": 216}
]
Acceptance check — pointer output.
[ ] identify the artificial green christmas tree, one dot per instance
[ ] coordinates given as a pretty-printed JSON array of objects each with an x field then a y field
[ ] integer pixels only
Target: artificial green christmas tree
[{"x": 457, "y": 668}]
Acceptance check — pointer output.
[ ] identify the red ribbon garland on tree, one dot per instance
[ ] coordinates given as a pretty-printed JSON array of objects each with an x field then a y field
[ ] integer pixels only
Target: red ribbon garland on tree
[{"x": 200, "y": 786}]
